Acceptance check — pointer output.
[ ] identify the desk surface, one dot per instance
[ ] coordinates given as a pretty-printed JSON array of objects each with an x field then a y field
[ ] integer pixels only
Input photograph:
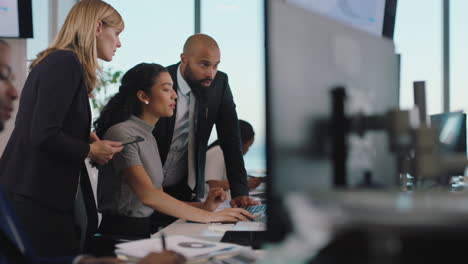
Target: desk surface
[{"x": 212, "y": 232}]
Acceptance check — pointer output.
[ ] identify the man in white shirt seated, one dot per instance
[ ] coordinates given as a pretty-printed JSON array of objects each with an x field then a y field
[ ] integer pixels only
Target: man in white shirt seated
[{"x": 215, "y": 169}]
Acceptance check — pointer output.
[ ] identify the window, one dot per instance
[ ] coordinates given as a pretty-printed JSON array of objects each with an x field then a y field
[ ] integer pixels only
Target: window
[
  {"x": 418, "y": 38},
  {"x": 459, "y": 56},
  {"x": 154, "y": 32},
  {"x": 238, "y": 27},
  {"x": 40, "y": 9}
]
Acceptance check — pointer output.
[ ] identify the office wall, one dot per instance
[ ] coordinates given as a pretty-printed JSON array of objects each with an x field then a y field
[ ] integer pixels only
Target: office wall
[{"x": 19, "y": 68}]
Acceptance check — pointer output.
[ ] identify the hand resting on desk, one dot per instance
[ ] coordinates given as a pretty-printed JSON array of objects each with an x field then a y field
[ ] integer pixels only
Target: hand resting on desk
[
  {"x": 231, "y": 215},
  {"x": 216, "y": 196},
  {"x": 243, "y": 201},
  {"x": 254, "y": 182}
]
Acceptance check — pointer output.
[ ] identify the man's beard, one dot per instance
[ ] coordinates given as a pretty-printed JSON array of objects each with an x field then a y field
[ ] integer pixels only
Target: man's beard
[{"x": 195, "y": 85}]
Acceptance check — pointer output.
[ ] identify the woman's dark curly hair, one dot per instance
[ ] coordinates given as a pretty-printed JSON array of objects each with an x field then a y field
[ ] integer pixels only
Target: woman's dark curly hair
[{"x": 125, "y": 103}]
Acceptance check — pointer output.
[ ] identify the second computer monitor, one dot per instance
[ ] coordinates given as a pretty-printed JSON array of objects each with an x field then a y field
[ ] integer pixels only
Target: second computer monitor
[{"x": 451, "y": 132}]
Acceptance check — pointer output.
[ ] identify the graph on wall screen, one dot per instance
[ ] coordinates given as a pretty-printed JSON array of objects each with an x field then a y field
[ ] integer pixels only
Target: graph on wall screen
[
  {"x": 9, "y": 26},
  {"x": 367, "y": 15}
]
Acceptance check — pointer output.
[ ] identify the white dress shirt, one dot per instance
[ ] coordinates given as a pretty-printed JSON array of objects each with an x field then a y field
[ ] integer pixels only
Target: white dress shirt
[{"x": 177, "y": 164}]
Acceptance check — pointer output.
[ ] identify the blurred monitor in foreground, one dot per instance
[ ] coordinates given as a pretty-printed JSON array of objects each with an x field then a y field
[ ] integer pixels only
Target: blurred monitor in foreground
[{"x": 306, "y": 56}]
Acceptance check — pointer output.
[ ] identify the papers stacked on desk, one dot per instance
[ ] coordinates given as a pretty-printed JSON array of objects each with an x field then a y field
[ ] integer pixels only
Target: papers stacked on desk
[{"x": 187, "y": 246}]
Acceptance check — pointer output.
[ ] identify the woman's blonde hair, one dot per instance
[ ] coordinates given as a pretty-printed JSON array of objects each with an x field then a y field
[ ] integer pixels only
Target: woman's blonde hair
[{"x": 78, "y": 35}]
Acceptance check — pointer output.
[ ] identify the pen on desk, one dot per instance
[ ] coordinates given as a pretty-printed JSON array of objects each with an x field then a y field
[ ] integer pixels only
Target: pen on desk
[{"x": 163, "y": 241}]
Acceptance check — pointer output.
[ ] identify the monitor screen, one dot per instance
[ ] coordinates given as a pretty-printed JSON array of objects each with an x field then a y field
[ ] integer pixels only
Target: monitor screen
[
  {"x": 16, "y": 19},
  {"x": 451, "y": 131},
  {"x": 374, "y": 16}
]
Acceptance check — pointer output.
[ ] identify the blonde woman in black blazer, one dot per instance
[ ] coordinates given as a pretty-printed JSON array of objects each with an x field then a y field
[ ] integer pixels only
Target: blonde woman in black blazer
[{"x": 40, "y": 167}]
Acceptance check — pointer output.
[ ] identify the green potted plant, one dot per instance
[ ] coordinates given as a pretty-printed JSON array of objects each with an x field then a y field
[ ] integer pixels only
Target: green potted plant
[{"x": 108, "y": 86}]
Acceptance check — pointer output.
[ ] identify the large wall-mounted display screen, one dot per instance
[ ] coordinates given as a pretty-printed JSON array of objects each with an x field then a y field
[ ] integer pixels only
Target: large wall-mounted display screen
[
  {"x": 15, "y": 19},
  {"x": 373, "y": 16}
]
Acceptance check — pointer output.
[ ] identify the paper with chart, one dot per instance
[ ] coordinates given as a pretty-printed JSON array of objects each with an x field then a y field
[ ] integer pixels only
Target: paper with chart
[{"x": 189, "y": 247}]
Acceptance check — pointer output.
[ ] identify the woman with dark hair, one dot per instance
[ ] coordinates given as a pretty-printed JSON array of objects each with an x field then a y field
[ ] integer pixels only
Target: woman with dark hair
[
  {"x": 215, "y": 170},
  {"x": 130, "y": 185}
]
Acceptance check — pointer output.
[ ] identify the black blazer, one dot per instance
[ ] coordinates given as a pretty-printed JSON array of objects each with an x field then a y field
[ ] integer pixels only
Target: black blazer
[
  {"x": 51, "y": 136},
  {"x": 215, "y": 105}
]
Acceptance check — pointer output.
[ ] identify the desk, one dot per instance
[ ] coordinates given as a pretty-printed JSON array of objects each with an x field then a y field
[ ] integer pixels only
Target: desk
[
  {"x": 205, "y": 232},
  {"x": 211, "y": 232}
]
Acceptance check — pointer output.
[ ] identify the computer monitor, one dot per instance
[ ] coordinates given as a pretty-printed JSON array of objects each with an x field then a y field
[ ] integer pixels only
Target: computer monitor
[
  {"x": 308, "y": 54},
  {"x": 16, "y": 19},
  {"x": 373, "y": 16},
  {"x": 451, "y": 132}
]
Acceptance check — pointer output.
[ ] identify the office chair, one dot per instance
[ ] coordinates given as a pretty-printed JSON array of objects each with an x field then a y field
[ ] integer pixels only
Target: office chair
[{"x": 86, "y": 217}]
